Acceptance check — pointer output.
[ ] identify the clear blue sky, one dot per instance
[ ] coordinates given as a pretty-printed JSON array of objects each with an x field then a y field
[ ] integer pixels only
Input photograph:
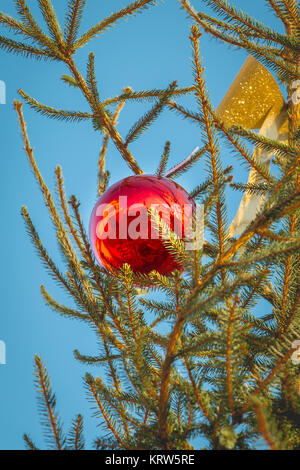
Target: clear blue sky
[{"x": 148, "y": 51}]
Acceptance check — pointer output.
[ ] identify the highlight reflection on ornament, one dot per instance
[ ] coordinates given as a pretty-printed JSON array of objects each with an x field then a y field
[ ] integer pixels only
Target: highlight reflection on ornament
[{"x": 122, "y": 230}]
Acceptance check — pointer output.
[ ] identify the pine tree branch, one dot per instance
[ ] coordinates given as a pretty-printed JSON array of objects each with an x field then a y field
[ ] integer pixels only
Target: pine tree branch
[
  {"x": 186, "y": 114},
  {"x": 47, "y": 402},
  {"x": 29, "y": 444},
  {"x": 62, "y": 309},
  {"x": 75, "y": 205},
  {"x": 60, "y": 114},
  {"x": 35, "y": 31},
  {"x": 95, "y": 360},
  {"x": 91, "y": 387},
  {"x": 291, "y": 9},
  {"x": 278, "y": 148},
  {"x": 248, "y": 24},
  {"x": 164, "y": 159},
  {"x": 228, "y": 357},
  {"x": 43, "y": 252},
  {"x": 274, "y": 251},
  {"x": 286, "y": 69},
  {"x": 24, "y": 49},
  {"x": 260, "y": 223},
  {"x": 165, "y": 382},
  {"x": 15, "y": 25},
  {"x": 277, "y": 9},
  {"x": 260, "y": 169},
  {"x": 145, "y": 121},
  {"x": 203, "y": 100},
  {"x": 111, "y": 20},
  {"x": 145, "y": 95},
  {"x": 98, "y": 282},
  {"x": 253, "y": 189},
  {"x": 75, "y": 439},
  {"x": 67, "y": 216},
  {"x": 263, "y": 427},
  {"x": 91, "y": 78},
  {"x": 287, "y": 273},
  {"x": 196, "y": 390},
  {"x": 280, "y": 363},
  {"x": 84, "y": 289},
  {"x": 51, "y": 21},
  {"x": 293, "y": 312},
  {"x": 73, "y": 19}
]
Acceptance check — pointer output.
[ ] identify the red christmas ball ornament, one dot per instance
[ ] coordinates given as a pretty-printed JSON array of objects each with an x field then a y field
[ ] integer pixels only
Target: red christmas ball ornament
[{"x": 122, "y": 230}]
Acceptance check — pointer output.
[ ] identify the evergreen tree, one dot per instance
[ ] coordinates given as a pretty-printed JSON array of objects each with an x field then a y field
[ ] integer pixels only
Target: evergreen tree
[{"x": 222, "y": 372}]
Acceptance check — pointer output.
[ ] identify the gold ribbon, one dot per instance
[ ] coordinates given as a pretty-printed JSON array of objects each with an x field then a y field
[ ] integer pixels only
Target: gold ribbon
[{"x": 254, "y": 101}]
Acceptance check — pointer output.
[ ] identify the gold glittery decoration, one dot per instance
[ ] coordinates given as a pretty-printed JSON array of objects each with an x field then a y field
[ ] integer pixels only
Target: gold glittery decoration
[
  {"x": 254, "y": 101},
  {"x": 251, "y": 97}
]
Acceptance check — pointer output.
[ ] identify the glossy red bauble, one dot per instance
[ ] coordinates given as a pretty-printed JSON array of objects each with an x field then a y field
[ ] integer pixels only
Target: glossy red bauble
[{"x": 118, "y": 232}]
